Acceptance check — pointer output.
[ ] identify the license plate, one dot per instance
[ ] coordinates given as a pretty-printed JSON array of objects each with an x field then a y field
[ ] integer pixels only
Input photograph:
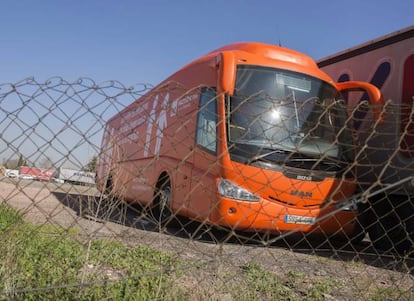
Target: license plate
[{"x": 297, "y": 219}]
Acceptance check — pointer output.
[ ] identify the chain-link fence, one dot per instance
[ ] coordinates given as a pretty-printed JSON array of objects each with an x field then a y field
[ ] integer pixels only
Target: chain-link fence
[{"x": 192, "y": 195}]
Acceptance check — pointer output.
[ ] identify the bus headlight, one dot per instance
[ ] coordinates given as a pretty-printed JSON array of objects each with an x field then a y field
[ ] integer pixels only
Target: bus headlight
[{"x": 231, "y": 190}]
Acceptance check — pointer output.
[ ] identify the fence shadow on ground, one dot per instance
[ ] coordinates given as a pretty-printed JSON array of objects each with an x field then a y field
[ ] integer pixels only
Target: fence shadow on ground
[{"x": 100, "y": 210}]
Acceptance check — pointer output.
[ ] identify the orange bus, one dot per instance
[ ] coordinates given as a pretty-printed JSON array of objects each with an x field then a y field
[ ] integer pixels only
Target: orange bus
[{"x": 251, "y": 136}]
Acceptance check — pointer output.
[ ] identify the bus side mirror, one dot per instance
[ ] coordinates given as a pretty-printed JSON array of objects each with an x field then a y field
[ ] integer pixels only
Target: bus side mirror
[
  {"x": 226, "y": 72},
  {"x": 375, "y": 97}
]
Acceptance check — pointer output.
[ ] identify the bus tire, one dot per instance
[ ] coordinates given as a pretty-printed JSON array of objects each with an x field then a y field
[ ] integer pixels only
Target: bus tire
[
  {"x": 388, "y": 230},
  {"x": 161, "y": 210}
]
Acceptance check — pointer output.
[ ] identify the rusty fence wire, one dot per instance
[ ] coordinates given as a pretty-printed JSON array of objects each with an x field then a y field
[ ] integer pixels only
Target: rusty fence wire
[{"x": 190, "y": 195}]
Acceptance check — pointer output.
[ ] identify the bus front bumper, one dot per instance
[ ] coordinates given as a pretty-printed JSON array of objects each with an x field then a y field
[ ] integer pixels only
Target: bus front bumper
[{"x": 273, "y": 217}]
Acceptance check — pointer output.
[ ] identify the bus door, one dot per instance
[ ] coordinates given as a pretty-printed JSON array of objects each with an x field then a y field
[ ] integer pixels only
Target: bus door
[{"x": 205, "y": 167}]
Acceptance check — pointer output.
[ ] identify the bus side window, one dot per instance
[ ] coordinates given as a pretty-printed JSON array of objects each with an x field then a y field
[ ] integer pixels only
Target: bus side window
[{"x": 207, "y": 120}]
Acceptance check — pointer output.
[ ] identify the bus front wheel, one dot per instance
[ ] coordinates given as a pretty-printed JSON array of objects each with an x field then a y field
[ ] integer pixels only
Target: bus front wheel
[{"x": 391, "y": 224}]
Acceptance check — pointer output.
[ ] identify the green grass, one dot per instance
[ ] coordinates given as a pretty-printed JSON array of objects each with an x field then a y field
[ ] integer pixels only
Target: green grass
[
  {"x": 266, "y": 286},
  {"x": 46, "y": 263},
  {"x": 49, "y": 263}
]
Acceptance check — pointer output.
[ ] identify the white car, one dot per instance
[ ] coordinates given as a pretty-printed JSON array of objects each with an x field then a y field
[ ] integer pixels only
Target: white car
[
  {"x": 27, "y": 177},
  {"x": 56, "y": 180},
  {"x": 12, "y": 173}
]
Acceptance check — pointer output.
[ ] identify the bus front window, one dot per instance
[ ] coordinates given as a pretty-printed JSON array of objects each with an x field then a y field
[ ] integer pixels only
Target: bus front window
[{"x": 288, "y": 112}]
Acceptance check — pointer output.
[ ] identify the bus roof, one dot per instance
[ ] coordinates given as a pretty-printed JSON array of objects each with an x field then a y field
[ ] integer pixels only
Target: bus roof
[{"x": 267, "y": 51}]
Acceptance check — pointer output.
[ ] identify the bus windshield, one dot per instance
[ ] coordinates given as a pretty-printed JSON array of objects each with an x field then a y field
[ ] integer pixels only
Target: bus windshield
[{"x": 287, "y": 112}]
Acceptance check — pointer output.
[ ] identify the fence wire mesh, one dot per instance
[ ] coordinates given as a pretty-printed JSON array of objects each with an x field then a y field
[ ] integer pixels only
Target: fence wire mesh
[{"x": 192, "y": 195}]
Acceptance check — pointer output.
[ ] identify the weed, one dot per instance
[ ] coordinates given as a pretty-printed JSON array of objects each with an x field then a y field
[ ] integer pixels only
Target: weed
[
  {"x": 43, "y": 262},
  {"x": 264, "y": 285},
  {"x": 390, "y": 293},
  {"x": 8, "y": 217}
]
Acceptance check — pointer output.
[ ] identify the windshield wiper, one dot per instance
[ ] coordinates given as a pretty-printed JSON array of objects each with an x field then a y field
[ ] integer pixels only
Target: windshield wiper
[
  {"x": 331, "y": 163},
  {"x": 327, "y": 162},
  {"x": 261, "y": 156}
]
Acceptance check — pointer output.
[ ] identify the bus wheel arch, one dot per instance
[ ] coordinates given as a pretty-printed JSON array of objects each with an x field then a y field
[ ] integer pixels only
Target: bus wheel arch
[
  {"x": 109, "y": 185},
  {"x": 162, "y": 202}
]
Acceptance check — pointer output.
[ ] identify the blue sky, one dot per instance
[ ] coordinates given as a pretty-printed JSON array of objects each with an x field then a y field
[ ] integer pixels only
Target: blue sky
[{"x": 145, "y": 41}]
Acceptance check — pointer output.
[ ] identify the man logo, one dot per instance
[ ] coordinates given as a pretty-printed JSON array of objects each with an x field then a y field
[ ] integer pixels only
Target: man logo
[{"x": 302, "y": 194}]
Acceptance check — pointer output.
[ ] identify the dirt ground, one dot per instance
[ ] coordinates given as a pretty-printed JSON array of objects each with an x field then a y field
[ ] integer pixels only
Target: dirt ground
[{"x": 66, "y": 206}]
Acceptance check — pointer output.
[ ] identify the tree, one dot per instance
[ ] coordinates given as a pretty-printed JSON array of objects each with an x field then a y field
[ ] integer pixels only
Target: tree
[
  {"x": 22, "y": 161},
  {"x": 46, "y": 162},
  {"x": 11, "y": 163},
  {"x": 14, "y": 163},
  {"x": 91, "y": 165}
]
